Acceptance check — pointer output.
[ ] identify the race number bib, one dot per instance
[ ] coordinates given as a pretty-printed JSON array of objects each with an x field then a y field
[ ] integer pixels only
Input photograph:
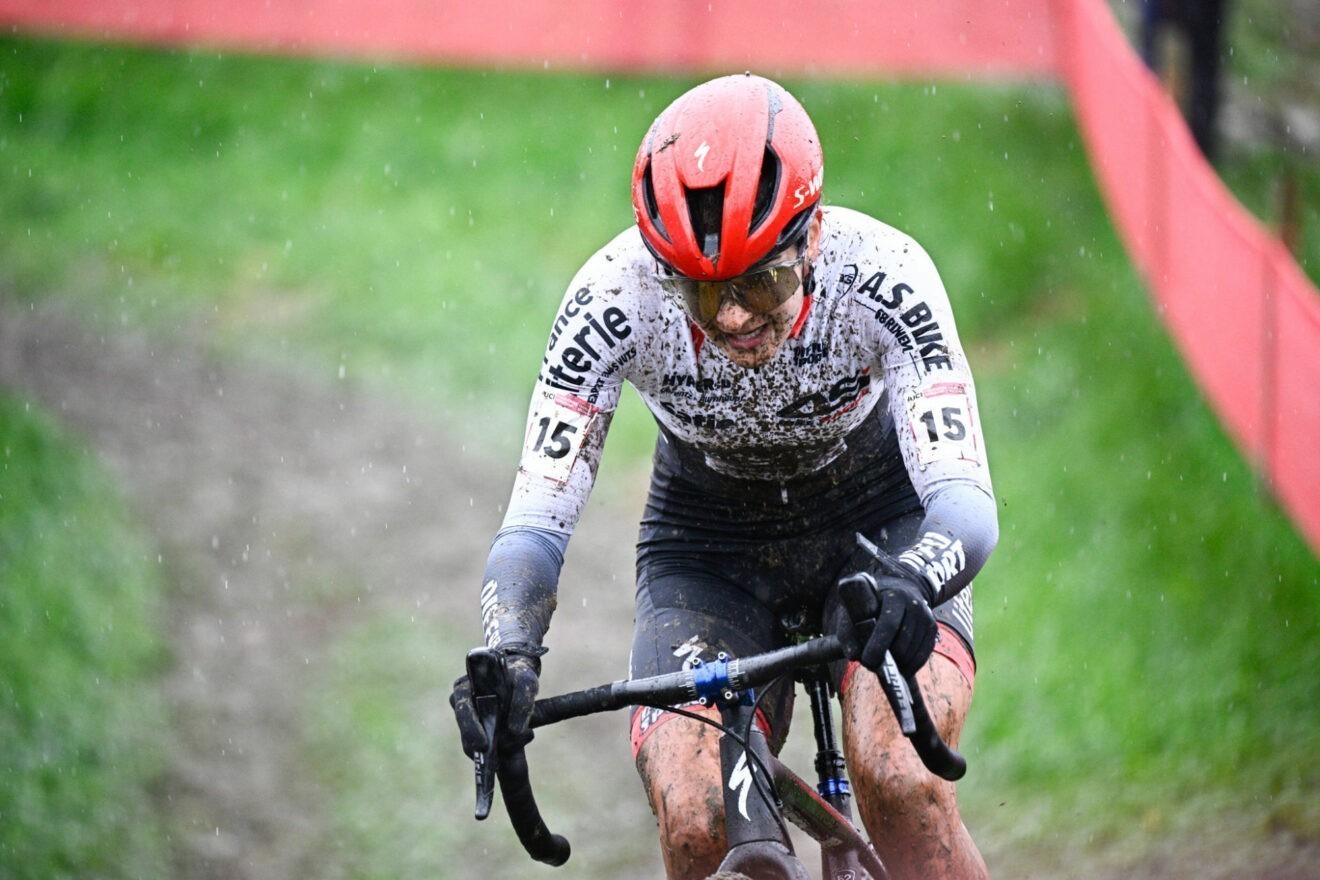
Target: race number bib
[
  {"x": 555, "y": 433},
  {"x": 943, "y": 424}
]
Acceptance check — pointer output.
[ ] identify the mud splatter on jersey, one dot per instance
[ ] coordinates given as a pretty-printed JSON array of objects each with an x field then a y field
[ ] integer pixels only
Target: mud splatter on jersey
[{"x": 879, "y": 321}]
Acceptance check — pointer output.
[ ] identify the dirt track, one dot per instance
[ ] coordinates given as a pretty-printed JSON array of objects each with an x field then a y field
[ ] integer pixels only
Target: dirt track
[{"x": 253, "y": 480}]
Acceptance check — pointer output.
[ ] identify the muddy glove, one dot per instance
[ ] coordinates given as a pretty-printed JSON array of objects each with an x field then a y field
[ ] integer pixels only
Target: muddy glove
[
  {"x": 515, "y": 688},
  {"x": 886, "y": 613}
]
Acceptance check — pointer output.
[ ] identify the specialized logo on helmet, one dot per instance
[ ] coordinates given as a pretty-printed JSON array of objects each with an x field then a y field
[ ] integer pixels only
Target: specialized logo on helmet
[
  {"x": 712, "y": 228},
  {"x": 807, "y": 192}
]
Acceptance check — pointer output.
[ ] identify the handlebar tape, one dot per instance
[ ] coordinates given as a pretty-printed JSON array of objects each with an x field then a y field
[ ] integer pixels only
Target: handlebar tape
[
  {"x": 536, "y": 838},
  {"x": 603, "y": 698}
]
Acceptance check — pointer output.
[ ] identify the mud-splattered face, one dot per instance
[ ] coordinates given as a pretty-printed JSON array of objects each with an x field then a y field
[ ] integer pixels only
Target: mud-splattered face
[{"x": 751, "y": 339}]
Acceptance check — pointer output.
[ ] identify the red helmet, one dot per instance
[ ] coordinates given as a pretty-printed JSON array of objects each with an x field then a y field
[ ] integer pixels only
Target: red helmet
[{"x": 728, "y": 174}]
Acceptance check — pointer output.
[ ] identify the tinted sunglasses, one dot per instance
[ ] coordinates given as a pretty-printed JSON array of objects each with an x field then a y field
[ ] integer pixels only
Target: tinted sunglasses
[{"x": 759, "y": 292}]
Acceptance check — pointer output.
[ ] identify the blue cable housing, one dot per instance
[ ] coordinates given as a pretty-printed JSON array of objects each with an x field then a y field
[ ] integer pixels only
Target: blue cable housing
[{"x": 833, "y": 787}]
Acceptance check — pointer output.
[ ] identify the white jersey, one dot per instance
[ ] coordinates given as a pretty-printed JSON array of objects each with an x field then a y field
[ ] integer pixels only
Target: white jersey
[{"x": 878, "y": 319}]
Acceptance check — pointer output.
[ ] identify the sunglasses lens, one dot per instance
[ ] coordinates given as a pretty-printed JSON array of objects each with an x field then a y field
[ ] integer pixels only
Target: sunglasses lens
[
  {"x": 700, "y": 299},
  {"x": 768, "y": 289},
  {"x": 760, "y": 292}
]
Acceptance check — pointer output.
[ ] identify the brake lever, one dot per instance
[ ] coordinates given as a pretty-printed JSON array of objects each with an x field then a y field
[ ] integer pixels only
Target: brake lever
[
  {"x": 485, "y": 670},
  {"x": 914, "y": 718},
  {"x": 899, "y": 694},
  {"x": 888, "y": 564}
]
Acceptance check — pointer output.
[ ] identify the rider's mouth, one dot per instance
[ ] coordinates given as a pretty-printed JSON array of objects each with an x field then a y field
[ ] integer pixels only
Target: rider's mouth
[{"x": 749, "y": 340}]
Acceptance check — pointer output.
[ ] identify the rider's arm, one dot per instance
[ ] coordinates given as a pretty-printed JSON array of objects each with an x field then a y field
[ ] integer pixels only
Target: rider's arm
[
  {"x": 556, "y": 471},
  {"x": 592, "y": 340},
  {"x": 932, "y": 400},
  {"x": 520, "y": 583},
  {"x": 960, "y": 529}
]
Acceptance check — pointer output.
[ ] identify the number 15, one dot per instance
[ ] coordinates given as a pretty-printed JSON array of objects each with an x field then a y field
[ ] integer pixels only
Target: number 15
[
  {"x": 954, "y": 429},
  {"x": 559, "y": 444}
]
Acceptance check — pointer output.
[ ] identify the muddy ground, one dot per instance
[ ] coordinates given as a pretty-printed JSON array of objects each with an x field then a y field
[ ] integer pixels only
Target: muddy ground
[{"x": 254, "y": 479}]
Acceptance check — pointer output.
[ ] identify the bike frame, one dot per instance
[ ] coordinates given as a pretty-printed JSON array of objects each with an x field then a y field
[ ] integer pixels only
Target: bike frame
[
  {"x": 760, "y": 791},
  {"x": 758, "y": 842}
]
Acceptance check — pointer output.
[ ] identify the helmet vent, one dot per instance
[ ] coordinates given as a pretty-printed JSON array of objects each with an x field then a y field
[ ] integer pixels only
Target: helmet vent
[
  {"x": 706, "y": 208},
  {"x": 652, "y": 207},
  {"x": 766, "y": 188}
]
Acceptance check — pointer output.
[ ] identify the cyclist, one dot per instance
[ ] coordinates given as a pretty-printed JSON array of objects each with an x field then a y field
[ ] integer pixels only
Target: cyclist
[{"x": 807, "y": 378}]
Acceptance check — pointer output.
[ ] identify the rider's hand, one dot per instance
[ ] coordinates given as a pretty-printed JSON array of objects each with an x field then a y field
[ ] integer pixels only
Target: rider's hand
[
  {"x": 886, "y": 613},
  {"x": 517, "y": 695}
]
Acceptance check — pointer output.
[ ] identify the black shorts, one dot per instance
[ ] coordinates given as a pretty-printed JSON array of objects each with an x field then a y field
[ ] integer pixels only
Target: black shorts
[{"x": 742, "y": 566}]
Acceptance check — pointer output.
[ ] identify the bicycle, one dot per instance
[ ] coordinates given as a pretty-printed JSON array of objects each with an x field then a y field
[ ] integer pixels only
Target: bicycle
[{"x": 758, "y": 841}]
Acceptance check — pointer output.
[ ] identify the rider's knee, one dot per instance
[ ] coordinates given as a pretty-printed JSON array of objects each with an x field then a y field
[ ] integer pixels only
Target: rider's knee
[
  {"x": 692, "y": 837},
  {"x": 683, "y": 784},
  {"x": 900, "y": 790}
]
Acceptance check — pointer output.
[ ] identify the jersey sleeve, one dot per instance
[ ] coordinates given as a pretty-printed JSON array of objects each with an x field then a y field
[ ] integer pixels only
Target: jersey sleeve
[
  {"x": 933, "y": 404},
  {"x": 592, "y": 341}
]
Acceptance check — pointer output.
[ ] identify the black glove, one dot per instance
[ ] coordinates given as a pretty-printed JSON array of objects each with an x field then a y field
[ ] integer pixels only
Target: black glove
[
  {"x": 515, "y": 690},
  {"x": 885, "y": 613}
]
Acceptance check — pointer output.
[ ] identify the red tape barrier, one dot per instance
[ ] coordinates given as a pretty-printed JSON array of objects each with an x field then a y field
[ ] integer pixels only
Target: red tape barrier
[
  {"x": 1244, "y": 316},
  {"x": 976, "y": 37}
]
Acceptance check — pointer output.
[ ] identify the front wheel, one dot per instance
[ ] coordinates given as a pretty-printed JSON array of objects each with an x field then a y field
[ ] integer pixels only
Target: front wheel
[{"x": 761, "y": 860}]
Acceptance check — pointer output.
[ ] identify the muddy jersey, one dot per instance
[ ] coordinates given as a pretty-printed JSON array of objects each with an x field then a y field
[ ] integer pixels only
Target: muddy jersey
[
  {"x": 876, "y": 330},
  {"x": 878, "y": 319}
]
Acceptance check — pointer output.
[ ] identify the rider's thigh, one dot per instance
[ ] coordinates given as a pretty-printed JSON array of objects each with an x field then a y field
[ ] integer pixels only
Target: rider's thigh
[
  {"x": 910, "y": 813},
  {"x": 679, "y": 763},
  {"x": 886, "y": 772}
]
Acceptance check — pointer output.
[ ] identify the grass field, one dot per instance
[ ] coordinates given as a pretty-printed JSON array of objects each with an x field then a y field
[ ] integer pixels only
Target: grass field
[
  {"x": 1148, "y": 624},
  {"x": 82, "y": 722}
]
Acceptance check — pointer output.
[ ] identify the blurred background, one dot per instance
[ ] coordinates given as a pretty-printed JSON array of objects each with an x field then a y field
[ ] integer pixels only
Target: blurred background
[{"x": 269, "y": 317}]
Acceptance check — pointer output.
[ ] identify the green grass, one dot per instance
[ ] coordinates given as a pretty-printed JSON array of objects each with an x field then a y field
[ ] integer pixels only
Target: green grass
[
  {"x": 371, "y": 718},
  {"x": 381, "y": 220},
  {"x": 1147, "y": 629},
  {"x": 1148, "y": 624},
  {"x": 81, "y": 718}
]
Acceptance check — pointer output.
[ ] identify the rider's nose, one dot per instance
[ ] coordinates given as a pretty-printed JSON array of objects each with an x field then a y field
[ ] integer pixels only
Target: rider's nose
[{"x": 732, "y": 316}]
